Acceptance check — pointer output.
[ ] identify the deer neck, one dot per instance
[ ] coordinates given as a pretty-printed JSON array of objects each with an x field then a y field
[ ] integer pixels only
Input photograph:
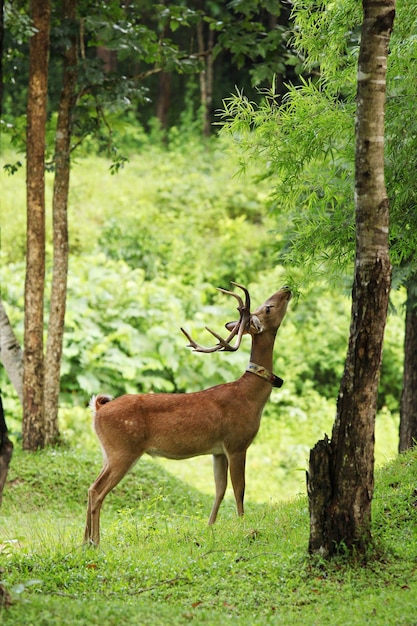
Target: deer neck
[
  {"x": 262, "y": 348},
  {"x": 260, "y": 362}
]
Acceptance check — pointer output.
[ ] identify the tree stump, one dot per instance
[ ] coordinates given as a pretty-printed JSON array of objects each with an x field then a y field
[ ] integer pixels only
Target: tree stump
[{"x": 319, "y": 491}]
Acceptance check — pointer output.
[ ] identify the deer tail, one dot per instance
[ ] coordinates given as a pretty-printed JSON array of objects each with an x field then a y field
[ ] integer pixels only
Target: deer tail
[{"x": 97, "y": 402}]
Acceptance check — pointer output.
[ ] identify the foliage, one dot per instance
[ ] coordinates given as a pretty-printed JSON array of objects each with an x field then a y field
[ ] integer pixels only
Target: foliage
[
  {"x": 159, "y": 559},
  {"x": 309, "y": 169},
  {"x": 124, "y": 48},
  {"x": 102, "y": 92},
  {"x": 148, "y": 247},
  {"x": 255, "y": 31},
  {"x": 310, "y": 166},
  {"x": 329, "y": 38}
]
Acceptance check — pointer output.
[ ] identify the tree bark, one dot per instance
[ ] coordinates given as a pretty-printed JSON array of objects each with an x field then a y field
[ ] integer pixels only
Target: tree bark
[
  {"x": 109, "y": 59},
  {"x": 408, "y": 408},
  {"x": 54, "y": 343},
  {"x": 163, "y": 100},
  {"x": 11, "y": 355},
  {"x": 340, "y": 503},
  {"x": 206, "y": 76},
  {"x": 33, "y": 405}
]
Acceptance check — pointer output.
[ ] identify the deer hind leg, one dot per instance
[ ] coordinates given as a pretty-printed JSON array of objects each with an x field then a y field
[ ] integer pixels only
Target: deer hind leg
[
  {"x": 237, "y": 475},
  {"x": 220, "y": 466},
  {"x": 111, "y": 474},
  {"x": 87, "y": 533}
]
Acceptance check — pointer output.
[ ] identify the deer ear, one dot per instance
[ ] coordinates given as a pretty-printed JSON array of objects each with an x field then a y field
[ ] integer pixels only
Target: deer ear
[
  {"x": 255, "y": 324},
  {"x": 231, "y": 325}
]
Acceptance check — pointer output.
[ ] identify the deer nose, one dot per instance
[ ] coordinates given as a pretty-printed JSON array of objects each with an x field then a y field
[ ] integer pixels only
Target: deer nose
[{"x": 288, "y": 290}]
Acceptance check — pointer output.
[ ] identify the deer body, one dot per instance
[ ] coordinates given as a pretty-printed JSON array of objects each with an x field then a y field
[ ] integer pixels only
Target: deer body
[{"x": 221, "y": 421}]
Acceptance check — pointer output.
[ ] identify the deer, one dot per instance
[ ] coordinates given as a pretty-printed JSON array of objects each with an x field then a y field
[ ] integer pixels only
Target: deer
[{"x": 221, "y": 421}]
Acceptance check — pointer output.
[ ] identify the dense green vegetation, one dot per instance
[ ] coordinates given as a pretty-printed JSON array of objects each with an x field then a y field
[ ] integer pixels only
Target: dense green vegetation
[
  {"x": 148, "y": 247},
  {"x": 159, "y": 562},
  {"x": 125, "y": 47}
]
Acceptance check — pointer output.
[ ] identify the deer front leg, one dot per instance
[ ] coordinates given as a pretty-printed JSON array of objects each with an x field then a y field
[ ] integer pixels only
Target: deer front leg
[
  {"x": 237, "y": 474},
  {"x": 220, "y": 466},
  {"x": 87, "y": 532},
  {"x": 95, "y": 500}
]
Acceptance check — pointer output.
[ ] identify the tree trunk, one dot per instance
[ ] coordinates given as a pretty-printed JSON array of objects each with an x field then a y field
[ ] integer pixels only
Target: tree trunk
[
  {"x": 60, "y": 234},
  {"x": 33, "y": 405},
  {"x": 340, "y": 503},
  {"x": 6, "y": 451},
  {"x": 11, "y": 355},
  {"x": 408, "y": 409},
  {"x": 109, "y": 58},
  {"x": 206, "y": 76},
  {"x": 163, "y": 99}
]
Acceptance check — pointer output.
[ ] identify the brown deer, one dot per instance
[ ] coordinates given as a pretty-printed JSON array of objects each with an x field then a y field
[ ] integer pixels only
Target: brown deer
[{"x": 222, "y": 420}]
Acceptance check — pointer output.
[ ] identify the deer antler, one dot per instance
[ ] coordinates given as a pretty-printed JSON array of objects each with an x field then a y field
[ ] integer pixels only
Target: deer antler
[{"x": 239, "y": 328}]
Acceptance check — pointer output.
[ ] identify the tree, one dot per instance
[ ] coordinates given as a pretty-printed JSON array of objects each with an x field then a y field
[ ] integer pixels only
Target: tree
[
  {"x": 408, "y": 421},
  {"x": 295, "y": 139},
  {"x": 33, "y": 371},
  {"x": 401, "y": 145},
  {"x": 60, "y": 227},
  {"x": 243, "y": 43},
  {"x": 340, "y": 477},
  {"x": 11, "y": 355},
  {"x": 331, "y": 202},
  {"x": 402, "y": 184},
  {"x": 96, "y": 91},
  {"x": 311, "y": 167},
  {"x": 206, "y": 75}
]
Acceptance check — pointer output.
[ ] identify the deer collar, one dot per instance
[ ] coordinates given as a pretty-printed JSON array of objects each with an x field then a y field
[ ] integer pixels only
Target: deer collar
[{"x": 275, "y": 381}]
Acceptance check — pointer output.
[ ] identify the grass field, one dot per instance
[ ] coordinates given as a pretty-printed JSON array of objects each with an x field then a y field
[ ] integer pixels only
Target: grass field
[{"x": 159, "y": 562}]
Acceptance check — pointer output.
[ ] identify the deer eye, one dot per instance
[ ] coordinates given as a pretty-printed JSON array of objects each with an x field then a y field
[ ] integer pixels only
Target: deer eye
[{"x": 268, "y": 308}]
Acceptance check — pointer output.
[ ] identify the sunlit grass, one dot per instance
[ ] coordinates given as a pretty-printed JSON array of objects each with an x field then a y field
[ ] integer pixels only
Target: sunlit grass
[{"x": 159, "y": 559}]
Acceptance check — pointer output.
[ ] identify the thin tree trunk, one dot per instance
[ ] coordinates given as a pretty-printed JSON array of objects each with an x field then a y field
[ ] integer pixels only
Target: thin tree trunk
[
  {"x": 33, "y": 405},
  {"x": 206, "y": 77},
  {"x": 340, "y": 503},
  {"x": 209, "y": 81},
  {"x": 163, "y": 100},
  {"x": 11, "y": 355},
  {"x": 60, "y": 234},
  {"x": 109, "y": 58},
  {"x": 408, "y": 409}
]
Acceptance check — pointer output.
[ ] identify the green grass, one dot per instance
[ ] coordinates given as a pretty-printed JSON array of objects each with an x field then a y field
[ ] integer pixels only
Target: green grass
[{"x": 159, "y": 562}]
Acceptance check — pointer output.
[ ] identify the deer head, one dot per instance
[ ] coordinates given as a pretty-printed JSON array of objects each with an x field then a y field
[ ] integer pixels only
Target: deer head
[{"x": 266, "y": 318}]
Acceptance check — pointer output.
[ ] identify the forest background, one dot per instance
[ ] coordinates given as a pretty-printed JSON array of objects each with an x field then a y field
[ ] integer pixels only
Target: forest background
[
  {"x": 148, "y": 244},
  {"x": 163, "y": 208}
]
